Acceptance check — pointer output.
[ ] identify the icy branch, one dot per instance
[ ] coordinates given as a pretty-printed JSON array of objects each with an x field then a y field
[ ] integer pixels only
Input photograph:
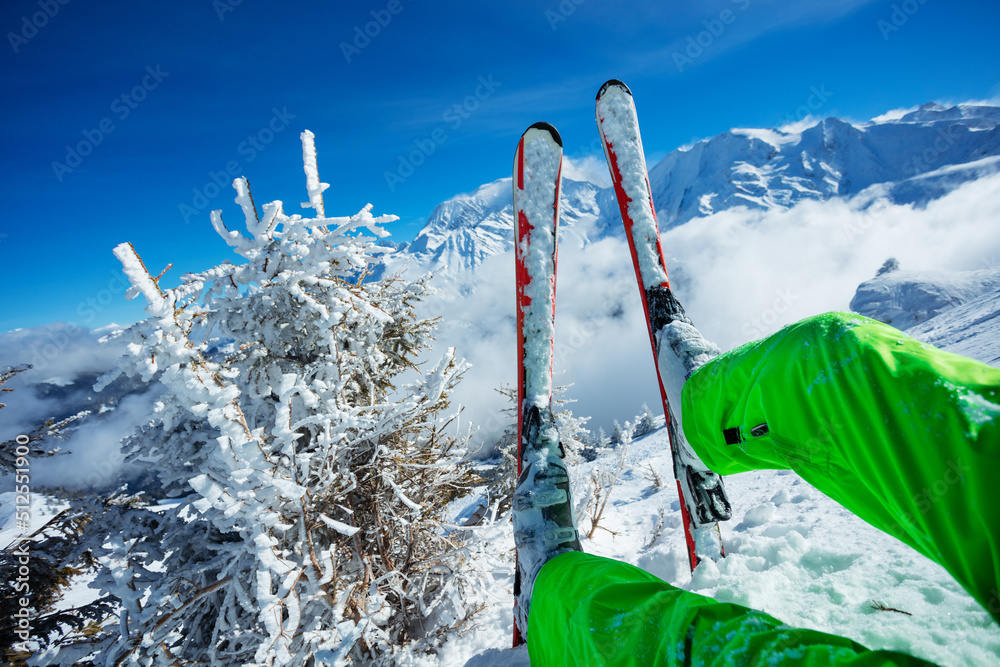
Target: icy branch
[
  {"x": 141, "y": 280},
  {"x": 232, "y": 238},
  {"x": 313, "y": 185},
  {"x": 341, "y": 528}
]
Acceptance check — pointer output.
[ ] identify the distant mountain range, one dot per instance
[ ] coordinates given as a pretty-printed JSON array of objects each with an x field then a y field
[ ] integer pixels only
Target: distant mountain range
[{"x": 906, "y": 157}]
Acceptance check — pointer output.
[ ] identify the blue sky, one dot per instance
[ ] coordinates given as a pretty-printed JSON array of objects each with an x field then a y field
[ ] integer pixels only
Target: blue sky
[{"x": 166, "y": 99}]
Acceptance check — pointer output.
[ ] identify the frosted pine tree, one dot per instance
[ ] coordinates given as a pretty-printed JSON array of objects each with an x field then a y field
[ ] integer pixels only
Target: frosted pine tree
[
  {"x": 315, "y": 530},
  {"x": 617, "y": 433},
  {"x": 644, "y": 422},
  {"x": 572, "y": 429}
]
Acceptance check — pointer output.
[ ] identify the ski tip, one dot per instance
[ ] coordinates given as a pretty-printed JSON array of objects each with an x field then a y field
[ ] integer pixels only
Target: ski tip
[
  {"x": 613, "y": 82},
  {"x": 547, "y": 127}
]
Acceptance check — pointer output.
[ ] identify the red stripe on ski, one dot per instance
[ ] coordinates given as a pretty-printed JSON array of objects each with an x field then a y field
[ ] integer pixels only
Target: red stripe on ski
[
  {"x": 524, "y": 231},
  {"x": 555, "y": 252},
  {"x": 521, "y": 279},
  {"x": 623, "y": 202}
]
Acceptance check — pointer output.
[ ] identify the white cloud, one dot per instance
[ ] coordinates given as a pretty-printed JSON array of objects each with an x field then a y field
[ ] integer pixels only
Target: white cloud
[
  {"x": 589, "y": 168},
  {"x": 741, "y": 275},
  {"x": 95, "y": 458},
  {"x": 58, "y": 352},
  {"x": 894, "y": 114},
  {"x": 66, "y": 359},
  {"x": 745, "y": 274},
  {"x": 799, "y": 126}
]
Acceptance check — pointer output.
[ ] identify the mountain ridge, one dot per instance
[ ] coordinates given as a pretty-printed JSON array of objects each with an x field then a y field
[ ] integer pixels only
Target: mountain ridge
[{"x": 910, "y": 158}]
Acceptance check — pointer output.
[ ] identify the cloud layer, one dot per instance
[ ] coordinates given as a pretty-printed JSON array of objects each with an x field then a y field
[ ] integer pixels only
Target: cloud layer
[{"x": 740, "y": 274}]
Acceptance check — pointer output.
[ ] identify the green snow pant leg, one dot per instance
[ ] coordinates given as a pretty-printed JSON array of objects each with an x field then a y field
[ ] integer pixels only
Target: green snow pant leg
[
  {"x": 903, "y": 434},
  {"x": 594, "y": 611}
]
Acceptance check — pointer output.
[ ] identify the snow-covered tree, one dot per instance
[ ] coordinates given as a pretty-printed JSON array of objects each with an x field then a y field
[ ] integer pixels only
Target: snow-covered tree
[
  {"x": 55, "y": 555},
  {"x": 316, "y": 524},
  {"x": 600, "y": 440},
  {"x": 617, "y": 432},
  {"x": 572, "y": 429},
  {"x": 36, "y": 444},
  {"x": 501, "y": 480},
  {"x": 888, "y": 266},
  {"x": 644, "y": 422}
]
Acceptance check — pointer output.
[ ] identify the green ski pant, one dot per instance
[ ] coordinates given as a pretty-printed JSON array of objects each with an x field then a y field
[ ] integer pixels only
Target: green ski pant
[
  {"x": 594, "y": 611},
  {"x": 903, "y": 434}
]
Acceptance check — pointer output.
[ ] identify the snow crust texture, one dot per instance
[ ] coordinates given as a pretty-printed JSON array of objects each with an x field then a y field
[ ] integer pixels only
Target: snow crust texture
[
  {"x": 536, "y": 252},
  {"x": 619, "y": 128},
  {"x": 791, "y": 552}
]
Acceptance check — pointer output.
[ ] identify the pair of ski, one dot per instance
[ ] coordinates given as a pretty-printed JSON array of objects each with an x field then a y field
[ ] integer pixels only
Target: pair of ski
[{"x": 537, "y": 177}]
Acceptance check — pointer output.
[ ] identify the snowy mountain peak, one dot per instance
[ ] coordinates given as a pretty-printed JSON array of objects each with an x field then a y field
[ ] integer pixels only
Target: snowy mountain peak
[
  {"x": 466, "y": 229},
  {"x": 932, "y": 112},
  {"x": 905, "y": 298},
  {"x": 778, "y": 168},
  {"x": 908, "y": 156}
]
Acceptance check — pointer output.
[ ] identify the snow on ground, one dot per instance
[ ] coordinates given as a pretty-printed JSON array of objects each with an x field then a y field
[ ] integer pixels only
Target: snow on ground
[
  {"x": 42, "y": 509},
  {"x": 792, "y": 552},
  {"x": 970, "y": 329}
]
